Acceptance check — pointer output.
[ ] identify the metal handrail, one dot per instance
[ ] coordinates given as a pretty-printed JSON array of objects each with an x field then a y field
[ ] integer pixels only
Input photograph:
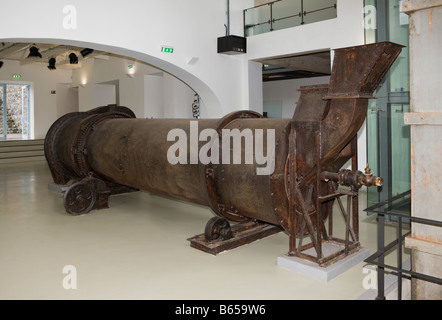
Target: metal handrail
[
  {"x": 272, "y": 19},
  {"x": 379, "y": 209},
  {"x": 262, "y": 5}
]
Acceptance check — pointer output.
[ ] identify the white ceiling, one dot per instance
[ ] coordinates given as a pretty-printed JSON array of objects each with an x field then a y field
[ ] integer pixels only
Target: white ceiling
[{"x": 297, "y": 66}]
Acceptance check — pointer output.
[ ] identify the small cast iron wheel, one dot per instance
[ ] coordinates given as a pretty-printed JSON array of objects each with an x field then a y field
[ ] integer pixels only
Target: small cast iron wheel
[
  {"x": 216, "y": 228},
  {"x": 80, "y": 198}
]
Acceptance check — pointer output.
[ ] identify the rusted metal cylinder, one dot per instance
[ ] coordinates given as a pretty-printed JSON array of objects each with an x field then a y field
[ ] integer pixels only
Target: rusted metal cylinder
[
  {"x": 142, "y": 162},
  {"x": 122, "y": 157},
  {"x": 110, "y": 145}
]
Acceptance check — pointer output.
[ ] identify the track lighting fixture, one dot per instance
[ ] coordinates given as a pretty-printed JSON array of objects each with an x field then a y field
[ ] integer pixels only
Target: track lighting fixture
[
  {"x": 86, "y": 52},
  {"x": 51, "y": 65},
  {"x": 33, "y": 52},
  {"x": 73, "y": 59}
]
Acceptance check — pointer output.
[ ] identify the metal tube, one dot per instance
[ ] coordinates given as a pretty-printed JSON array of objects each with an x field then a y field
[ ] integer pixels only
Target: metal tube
[
  {"x": 228, "y": 18},
  {"x": 381, "y": 248},
  {"x": 107, "y": 145}
]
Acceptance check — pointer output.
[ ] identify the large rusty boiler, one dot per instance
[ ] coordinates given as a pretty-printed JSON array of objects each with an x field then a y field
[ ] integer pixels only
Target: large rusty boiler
[{"x": 107, "y": 151}]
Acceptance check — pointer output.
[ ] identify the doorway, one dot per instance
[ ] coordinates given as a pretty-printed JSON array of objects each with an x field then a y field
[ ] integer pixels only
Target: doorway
[{"x": 14, "y": 111}]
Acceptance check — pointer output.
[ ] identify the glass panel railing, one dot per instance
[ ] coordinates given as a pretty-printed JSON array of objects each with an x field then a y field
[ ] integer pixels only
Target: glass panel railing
[
  {"x": 284, "y": 14},
  {"x": 400, "y": 150},
  {"x": 372, "y": 148},
  {"x": 388, "y": 138},
  {"x": 257, "y": 20},
  {"x": 319, "y": 10}
]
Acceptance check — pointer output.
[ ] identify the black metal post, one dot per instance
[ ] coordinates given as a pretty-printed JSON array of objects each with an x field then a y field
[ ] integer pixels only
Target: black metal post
[
  {"x": 382, "y": 249},
  {"x": 244, "y": 22},
  {"x": 302, "y": 12},
  {"x": 381, "y": 244},
  {"x": 318, "y": 192},
  {"x": 399, "y": 259}
]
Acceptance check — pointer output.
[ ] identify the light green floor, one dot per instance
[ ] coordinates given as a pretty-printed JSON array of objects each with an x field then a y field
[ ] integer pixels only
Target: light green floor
[{"x": 137, "y": 249}]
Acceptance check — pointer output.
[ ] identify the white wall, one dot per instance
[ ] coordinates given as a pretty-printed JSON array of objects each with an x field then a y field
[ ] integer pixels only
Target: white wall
[
  {"x": 66, "y": 98},
  {"x": 148, "y": 92},
  {"x": 287, "y": 92},
  {"x": 177, "y": 98},
  {"x": 98, "y": 79},
  {"x": 105, "y": 94},
  {"x": 44, "y": 109},
  {"x": 153, "y": 102}
]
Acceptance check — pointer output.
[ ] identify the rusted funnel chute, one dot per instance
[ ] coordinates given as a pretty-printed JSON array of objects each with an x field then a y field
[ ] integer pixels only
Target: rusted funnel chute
[{"x": 107, "y": 151}]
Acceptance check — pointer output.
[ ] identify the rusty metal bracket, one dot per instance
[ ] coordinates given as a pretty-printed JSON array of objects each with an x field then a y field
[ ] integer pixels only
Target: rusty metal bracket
[
  {"x": 85, "y": 195},
  {"x": 60, "y": 173},
  {"x": 216, "y": 203},
  {"x": 241, "y": 234},
  {"x": 79, "y": 149}
]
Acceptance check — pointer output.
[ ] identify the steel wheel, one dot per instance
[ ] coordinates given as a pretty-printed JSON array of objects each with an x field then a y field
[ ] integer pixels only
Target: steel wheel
[{"x": 80, "y": 198}]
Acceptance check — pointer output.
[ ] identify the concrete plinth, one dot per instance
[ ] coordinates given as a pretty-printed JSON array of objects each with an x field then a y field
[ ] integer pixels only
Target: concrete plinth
[{"x": 313, "y": 270}]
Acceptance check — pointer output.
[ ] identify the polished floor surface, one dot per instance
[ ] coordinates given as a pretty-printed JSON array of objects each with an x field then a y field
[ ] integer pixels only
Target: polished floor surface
[{"x": 138, "y": 249}]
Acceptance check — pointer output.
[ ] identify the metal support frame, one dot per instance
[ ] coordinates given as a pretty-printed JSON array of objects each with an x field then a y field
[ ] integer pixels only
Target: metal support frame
[
  {"x": 318, "y": 232},
  {"x": 241, "y": 234}
]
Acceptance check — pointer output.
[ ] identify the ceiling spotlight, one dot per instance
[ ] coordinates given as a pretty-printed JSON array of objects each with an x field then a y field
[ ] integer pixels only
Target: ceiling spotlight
[
  {"x": 73, "y": 59},
  {"x": 1, "y": 64},
  {"x": 51, "y": 65},
  {"x": 86, "y": 51},
  {"x": 33, "y": 52}
]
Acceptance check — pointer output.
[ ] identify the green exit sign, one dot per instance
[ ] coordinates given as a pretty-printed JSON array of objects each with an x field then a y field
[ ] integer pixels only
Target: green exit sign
[
  {"x": 167, "y": 49},
  {"x": 16, "y": 76}
]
